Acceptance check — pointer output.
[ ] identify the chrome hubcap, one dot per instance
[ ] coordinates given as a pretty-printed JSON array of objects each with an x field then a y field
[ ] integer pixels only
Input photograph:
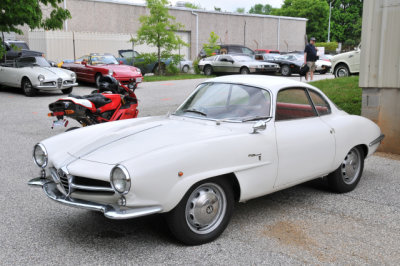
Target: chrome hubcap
[
  {"x": 342, "y": 72},
  {"x": 351, "y": 167},
  {"x": 205, "y": 208},
  {"x": 285, "y": 70}
]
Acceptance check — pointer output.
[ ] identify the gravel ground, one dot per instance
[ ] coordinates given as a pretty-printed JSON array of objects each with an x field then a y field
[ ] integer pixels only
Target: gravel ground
[{"x": 305, "y": 224}]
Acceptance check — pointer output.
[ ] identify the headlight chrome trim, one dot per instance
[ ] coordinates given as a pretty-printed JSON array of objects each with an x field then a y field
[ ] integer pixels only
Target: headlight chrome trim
[
  {"x": 41, "y": 78},
  {"x": 127, "y": 179},
  {"x": 45, "y": 153}
]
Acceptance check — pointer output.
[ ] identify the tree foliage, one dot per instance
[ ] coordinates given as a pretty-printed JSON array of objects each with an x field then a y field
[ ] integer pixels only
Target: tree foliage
[
  {"x": 192, "y": 6},
  {"x": 261, "y": 9},
  {"x": 14, "y": 14},
  {"x": 159, "y": 29},
  {"x": 346, "y": 20},
  {"x": 316, "y": 11},
  {"x": 212, "y": 45},
  {"x": 240, "y": 10}
]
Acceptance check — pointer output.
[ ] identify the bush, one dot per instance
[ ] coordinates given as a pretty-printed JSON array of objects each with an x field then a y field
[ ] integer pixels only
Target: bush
[
  {"x": 196, "y": 66},
  {"x": 330, "y": 47},
  {"x": 344, "y": 92}
]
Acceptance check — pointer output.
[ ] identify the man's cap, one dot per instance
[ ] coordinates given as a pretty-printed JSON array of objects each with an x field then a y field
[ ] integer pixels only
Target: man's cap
[{"x": 312, "y": 39}]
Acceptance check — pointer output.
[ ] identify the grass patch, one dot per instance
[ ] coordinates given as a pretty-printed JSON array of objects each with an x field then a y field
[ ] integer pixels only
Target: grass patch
[
  {"x": 174, "y": 77},
  {"x": 344, "y": 92}
]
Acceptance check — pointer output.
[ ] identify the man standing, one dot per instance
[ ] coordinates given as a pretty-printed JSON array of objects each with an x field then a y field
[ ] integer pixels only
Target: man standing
[{"x": 310, "y": 56}]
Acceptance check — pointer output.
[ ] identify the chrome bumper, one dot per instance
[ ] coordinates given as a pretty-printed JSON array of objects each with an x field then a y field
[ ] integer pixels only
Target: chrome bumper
[
  {"x": 110, "y": 211},
  {"x": 377, "y": 140},
  {"x": 56, "y": 87}
]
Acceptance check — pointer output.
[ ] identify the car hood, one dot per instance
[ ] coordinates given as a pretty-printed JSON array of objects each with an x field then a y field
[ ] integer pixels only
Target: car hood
[
  {"x": 121, "y": 143},
  {"x": 53, "y": 72},
  {"x": 121, "y": 70},
  {"x": 342, "y": 55}
]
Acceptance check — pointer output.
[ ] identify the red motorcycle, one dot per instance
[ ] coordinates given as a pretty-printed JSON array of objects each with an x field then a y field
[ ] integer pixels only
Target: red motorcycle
[{"x": 112, "y": 101}]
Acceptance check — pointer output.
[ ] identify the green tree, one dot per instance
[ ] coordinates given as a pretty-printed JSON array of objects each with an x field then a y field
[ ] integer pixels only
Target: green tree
[
  {"x": 212, "y": 45},
  {"x": 240, "y": 10},
  {"x": 261, "y": 9},
  {"x": 218, "y": 9},
  {"x": 346, "y": 20},
  {"x": 192, "y": 6},
  {"x": 316, "y": 11},
  {"x": 158, "y": 29},
  {"x": 14, "y": 14}
]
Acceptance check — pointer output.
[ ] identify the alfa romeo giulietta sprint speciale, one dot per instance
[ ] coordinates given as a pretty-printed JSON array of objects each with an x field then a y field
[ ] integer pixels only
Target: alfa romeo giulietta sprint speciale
[{"x": 235, "y": 138}]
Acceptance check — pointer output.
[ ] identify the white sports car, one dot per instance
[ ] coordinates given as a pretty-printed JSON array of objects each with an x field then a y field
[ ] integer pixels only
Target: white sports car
[
  {"x": 235, "y": 138},
  {"x": 35, "y": 73}
]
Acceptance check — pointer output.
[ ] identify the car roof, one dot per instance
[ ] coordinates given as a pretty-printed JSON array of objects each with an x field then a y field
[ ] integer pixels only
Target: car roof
[{"x": 274, "y": 84}]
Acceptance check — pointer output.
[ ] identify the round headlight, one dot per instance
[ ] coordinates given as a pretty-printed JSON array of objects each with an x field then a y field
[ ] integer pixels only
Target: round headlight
[
  {"x": 110, "y": 72},
  {"x": 40, "y": 155},
  {"x": 138, "y": 70},
  {"x": 73, "y": 75},
  {"x": 120, "y": 180},
  {"x": 40, "y": 78}
]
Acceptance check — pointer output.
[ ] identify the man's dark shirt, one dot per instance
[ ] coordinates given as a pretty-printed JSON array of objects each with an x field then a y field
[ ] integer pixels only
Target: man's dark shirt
[{"x": 311, "y": 53}]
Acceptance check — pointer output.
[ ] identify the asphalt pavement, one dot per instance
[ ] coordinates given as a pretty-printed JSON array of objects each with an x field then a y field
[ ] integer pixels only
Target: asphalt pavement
[{"x": 305, "y": 224}]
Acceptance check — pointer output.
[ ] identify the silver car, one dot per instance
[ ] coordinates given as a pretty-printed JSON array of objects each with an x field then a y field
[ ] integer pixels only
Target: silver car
[{"x": 235, "y": 64}]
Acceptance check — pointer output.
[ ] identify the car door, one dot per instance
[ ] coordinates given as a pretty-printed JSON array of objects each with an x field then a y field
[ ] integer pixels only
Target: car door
[
  {"x": 305, "y": 144},
  {"x": 221, "y": 64},
  {"x": 354, "y": 61}
]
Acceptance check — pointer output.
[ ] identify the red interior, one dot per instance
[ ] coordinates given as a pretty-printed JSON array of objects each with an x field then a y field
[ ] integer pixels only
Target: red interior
[{"x": 292, "y": 111}]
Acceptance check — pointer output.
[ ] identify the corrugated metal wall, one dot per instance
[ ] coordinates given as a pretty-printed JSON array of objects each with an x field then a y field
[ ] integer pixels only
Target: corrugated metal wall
[
  {"x": 380, "y": 50},
  {"x": 59, "y": 45}
]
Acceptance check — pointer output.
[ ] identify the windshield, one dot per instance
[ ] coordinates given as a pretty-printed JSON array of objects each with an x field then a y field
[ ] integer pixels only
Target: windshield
[
  {"x": 41, "y": 61},
  {"x": 223, "y": 101},
  {"x": 103, "y": 60}
]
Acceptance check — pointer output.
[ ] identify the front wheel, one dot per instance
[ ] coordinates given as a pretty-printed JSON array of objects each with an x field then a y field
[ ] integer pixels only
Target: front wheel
[
  {"x": 285, "y": 70},
  {"x": 342, "y": 71},
  {"x": 27, "y": 87},
  {"x": 67, "y": 91},
  {"x": 203, "y": 213},
  {"x": 208, "y": 70},
  {"x": 346, "y": 177},
  {"x": 244, "y": 71}
]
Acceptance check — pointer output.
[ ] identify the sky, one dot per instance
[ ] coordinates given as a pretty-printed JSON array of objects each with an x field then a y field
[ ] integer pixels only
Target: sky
[{"x": 225, "y": 5}]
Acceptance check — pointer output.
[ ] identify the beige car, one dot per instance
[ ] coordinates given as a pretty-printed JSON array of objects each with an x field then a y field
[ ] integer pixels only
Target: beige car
[{"x": 346, "y": 64}]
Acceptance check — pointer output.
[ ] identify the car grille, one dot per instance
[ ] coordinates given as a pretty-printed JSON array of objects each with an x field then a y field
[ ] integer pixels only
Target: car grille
[
  {"x": 59, "y": 82},
  {"x": 64, "y": 180},
  {"x": 70, "y": 183}
]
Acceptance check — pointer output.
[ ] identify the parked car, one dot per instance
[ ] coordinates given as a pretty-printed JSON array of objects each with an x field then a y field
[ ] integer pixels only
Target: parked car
[
  {"x": 235, "y": 138},
  {"x": 35, "y": 73},
  {"x": 289, "y": 63},
  {"x": 15, "y": 49},
  {"x": 266, "y": 51},
  {"x": 235, "y": 64},
  {"x": 127, "y": 57},
  {"x": 90, "y": 68},
  {"x": 346, "y": 64},
  {"x": 230, "y": 49},
  {"x": 322, "y": 66},
  {"x": 185, "y": 65}
]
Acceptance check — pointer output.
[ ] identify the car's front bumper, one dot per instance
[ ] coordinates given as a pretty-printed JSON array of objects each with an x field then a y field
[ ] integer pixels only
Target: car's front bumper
[
  {"x": 111, "y": 211},
  {"x": 267, "y": 69},
  {"x": 55, "y": 86}
]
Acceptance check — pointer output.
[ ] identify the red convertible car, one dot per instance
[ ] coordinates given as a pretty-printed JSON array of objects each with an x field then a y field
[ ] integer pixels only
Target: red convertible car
[{"x": 90, "y": 68}]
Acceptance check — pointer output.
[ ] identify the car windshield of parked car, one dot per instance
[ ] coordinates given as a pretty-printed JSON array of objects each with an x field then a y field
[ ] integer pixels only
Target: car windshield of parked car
[
  {"x": 32, "y": 61},
  {"x": 224, "y": 101},
  {"x": 103, "y": 60}
]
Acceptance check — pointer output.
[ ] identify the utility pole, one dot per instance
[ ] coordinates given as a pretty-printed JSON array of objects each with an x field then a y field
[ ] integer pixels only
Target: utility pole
[{"x": 329, "y": 24}]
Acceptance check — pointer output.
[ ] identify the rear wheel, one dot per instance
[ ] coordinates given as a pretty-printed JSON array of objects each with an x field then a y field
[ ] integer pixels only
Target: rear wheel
[
  {"x": 97, "y": 79},
  {"x": 27, "y": 87},
  {"x": 285, "y": 70},
  {"x": 203, "y": 213},
  {"x": 347, "y": 176},
  {"x": 244, "y": 71},
  {"x": 159, "y": 70},
  {"x": 342, "y": 71},
  {"x": 185, "y": 69},
  {"x": 67, "y": 91}
]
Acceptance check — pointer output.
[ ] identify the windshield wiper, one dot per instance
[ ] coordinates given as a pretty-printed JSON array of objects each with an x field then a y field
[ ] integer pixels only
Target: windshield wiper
[
  {"x": 196, "y": 111},
  {"x": 256, "y": 118}
]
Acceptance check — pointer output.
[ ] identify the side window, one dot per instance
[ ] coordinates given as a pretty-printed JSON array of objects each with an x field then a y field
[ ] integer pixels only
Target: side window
[
  {"x": 235, "y": 50},
  {"x": 247, "y": 51},
  {"x": 293, "y": 104},
  {"x": 320, "y": 104}
]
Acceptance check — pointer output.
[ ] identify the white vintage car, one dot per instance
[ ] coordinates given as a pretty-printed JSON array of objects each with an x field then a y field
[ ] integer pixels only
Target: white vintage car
[
  {"x": 235, "y": 138},
  {"x": 35, "y": 73}
]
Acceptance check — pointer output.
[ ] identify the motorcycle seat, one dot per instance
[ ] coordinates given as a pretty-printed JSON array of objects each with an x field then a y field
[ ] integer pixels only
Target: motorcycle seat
[{"x": 97, "y": 99}]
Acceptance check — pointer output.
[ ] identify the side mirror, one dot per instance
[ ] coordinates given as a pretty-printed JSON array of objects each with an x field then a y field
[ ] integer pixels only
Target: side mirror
[{"x": 259, "y": 126}]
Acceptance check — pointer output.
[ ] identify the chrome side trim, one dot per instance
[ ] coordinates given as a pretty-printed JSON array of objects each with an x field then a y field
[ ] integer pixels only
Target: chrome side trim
[
  {"x": 110, "y": 211},
  {"x": 377, "y": 140},
  {"x": 38, "y": 181}
]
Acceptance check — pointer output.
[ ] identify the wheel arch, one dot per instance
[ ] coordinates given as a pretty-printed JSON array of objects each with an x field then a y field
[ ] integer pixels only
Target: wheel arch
[{"x": 341, "y": 63}]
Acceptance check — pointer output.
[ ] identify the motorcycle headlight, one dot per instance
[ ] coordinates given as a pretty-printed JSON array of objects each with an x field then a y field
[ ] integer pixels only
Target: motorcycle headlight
[
  {"x": 40, "y": 155},
  {"x": 40, "y": 78},
  {"x": 120, "y": 179}
]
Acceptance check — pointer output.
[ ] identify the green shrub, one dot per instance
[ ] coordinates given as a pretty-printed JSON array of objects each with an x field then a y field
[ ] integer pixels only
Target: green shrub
[
  {"x": 196, "y": 66},
  {"x": 344, "y": 92},
  {"x": 330, "y": 47}
]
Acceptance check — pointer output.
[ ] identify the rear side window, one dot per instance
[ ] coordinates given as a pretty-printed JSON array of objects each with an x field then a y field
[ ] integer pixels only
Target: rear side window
[
  {"x": 293, "y": 103},
  {"x": 320, "y": 103}
]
